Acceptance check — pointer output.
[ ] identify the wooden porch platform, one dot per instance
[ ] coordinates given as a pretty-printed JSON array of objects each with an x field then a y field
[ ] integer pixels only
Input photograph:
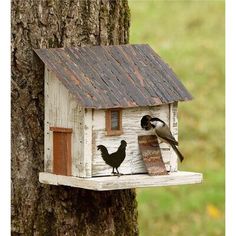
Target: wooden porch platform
[{"x": 122, "y": 182}]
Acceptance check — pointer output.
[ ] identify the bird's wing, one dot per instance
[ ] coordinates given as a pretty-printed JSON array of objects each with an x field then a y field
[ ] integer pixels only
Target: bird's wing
[
  {"x": 179, "y": 154},
  {"x": 164, "y": 133}
]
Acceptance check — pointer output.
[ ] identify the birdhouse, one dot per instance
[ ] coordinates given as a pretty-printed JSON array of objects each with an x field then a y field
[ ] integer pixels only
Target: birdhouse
[{"x": 95, "y": 98}]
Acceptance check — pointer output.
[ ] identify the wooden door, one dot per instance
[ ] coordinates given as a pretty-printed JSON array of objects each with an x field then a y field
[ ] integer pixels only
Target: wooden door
[{"x": 61, "y": 151}]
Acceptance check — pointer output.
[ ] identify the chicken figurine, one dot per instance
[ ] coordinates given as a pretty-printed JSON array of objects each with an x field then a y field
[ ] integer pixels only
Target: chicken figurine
[{"x": 114, "y": 159}]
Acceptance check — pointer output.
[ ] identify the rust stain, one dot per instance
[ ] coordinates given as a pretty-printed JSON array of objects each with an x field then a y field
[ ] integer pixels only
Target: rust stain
[
  {"x": 140, "y": 78},
  {"x": 135, "y": 68},
  {"x": 151, "y": 154}
]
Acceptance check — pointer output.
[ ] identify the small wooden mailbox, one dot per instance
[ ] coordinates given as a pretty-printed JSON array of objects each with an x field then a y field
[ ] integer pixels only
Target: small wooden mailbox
[{"x": 97, "y": 96}]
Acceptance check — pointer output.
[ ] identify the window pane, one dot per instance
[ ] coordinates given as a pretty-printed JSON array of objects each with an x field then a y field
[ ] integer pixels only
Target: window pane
[{"x": 114, "y": 120}]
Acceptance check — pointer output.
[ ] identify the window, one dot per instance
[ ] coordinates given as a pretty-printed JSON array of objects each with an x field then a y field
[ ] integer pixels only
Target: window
[
  {"x": 114, "y": 122},
  {"x": 61, "y": 150}
]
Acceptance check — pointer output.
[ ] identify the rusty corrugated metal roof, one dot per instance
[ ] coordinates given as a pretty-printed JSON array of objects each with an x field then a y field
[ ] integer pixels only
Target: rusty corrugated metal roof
[{"x": 115, "y": 76}]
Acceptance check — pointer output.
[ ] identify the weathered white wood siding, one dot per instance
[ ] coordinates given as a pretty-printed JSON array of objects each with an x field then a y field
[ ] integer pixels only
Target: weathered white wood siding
[
  {"x": 133, "y": 162},
  {"x": 174, "y": 131},
  {"x": 63, "y": 110},
  {"x": 87, "y": 157}
]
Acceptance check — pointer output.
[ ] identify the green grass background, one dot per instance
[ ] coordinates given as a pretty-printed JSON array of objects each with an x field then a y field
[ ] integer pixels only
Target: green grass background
[{"x": 190, "y": 37}]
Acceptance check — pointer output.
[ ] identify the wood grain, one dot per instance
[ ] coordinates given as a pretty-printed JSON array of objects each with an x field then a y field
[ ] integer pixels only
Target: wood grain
[
  {"x": 151, "y": 153},
  {"x": 62, "y": 153},
  {"x": 174, "y": 130}
]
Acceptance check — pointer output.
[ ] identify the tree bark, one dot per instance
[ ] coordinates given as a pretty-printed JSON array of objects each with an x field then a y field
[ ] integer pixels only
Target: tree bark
[{"x": 46, "y": 210}]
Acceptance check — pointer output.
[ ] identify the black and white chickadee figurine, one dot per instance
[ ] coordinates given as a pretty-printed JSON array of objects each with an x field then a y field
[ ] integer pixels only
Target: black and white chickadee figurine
[{"x": 162, "y": 131}]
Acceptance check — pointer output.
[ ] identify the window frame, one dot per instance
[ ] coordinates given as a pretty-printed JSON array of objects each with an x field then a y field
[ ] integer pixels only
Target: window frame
[{"x": 109, "y": 131}]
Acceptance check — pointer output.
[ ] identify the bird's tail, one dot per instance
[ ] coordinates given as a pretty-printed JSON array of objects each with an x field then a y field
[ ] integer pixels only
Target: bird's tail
[
  {"x": 104, "y": 152},
  {"x": 181, "y": 157}
]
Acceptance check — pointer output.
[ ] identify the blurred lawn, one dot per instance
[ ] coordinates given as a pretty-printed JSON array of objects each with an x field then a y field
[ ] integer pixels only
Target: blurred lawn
[{"x": 189, "y": 35}]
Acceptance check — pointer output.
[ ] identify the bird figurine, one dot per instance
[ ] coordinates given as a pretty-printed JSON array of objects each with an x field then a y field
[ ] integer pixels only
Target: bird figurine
[
  {"x": 162, "y": 131},
  {"x": 114, "y": 159}
]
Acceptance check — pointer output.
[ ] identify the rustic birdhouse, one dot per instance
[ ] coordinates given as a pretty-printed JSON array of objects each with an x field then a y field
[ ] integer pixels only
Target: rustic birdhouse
[{"x": 95, "y": 98}]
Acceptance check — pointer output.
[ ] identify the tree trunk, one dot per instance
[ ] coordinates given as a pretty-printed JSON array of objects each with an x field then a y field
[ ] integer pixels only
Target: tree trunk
[{"x": 46, "y": 210}]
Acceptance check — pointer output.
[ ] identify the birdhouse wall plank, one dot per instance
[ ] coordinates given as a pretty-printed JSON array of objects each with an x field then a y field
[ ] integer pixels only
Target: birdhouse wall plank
[
  {"x": 133, "y": 162},
  {"x": 87, "y": 157},
  {"x": 174, "y": 131},
  {"x": 47, "y": 136},
  {"x": 63, "y": 110}
]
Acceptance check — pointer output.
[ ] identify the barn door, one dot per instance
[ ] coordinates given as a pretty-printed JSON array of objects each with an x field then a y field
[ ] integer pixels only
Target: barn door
[{"x": 61, "y": 151}]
